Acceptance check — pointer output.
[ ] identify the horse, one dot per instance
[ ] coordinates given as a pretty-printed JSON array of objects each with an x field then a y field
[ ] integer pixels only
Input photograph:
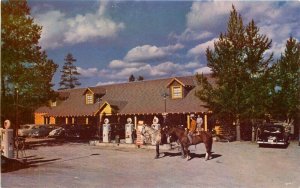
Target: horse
[
  {"x": 181, "y": 135},
  {"x": 154, "y": 135}
]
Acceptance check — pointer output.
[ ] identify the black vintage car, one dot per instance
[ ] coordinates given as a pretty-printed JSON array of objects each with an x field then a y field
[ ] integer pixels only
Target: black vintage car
[
  {"x": 80, "y": 131},
  {"x": 273, "y": 135}
]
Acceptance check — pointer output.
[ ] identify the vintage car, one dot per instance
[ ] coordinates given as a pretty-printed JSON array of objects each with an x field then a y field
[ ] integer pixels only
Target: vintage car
[
  {"x": 26, "y": 130},
  {"x": 273, "y": 135}
]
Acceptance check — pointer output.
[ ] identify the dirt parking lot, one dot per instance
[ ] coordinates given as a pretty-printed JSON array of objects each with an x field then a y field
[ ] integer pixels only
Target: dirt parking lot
[{"x": 236, "y": 164}]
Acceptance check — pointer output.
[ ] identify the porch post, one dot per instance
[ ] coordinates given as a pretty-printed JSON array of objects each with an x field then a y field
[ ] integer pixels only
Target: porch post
[
  {"x": 135, "y": 122},
  {"x": 205, "y": 122},
  {"x": 188, "y": 121}
]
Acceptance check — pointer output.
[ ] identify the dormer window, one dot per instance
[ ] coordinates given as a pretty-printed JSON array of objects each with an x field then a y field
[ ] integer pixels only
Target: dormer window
[
  {"x": 53, "y": 103},
  {"x": 179, "y": 88},
  {"x": 176, "y": 92},
  {"x": 92, "y": 94},
  {"x": 89, "y": 98}
]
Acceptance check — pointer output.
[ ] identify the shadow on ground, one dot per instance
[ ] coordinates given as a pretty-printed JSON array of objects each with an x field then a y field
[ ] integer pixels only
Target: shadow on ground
[
  {"x": 193, "y": 155},
  {"x": 9, "y": 164}
]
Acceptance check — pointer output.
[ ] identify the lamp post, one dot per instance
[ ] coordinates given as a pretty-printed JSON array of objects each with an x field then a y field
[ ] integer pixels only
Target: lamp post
[
  {"x": 165, "y": 95},
  {"x": 99, "y": 121},
  {"x": 17, "y": 108},
  {"x": 17, "y": 114}
]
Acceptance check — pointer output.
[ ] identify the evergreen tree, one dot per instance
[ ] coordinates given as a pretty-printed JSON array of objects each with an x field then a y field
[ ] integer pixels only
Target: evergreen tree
[
  {"x": 286, "y": 103},
  {"x": 239, "y": 66},
  {"x": 140, "y": 78},
  {"x": 131, "y": 78},
  {"x": 69, "y": 75},
  {"x": 26, "y": 71}
]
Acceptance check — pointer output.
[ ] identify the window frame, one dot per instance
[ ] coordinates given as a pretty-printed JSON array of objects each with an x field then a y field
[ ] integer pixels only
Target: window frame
[
  {"x": 177, "y": 94},
  {"x": 89, "y": 98}
]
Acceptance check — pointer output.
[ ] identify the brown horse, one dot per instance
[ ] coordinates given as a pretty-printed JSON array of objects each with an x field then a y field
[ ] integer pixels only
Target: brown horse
[{"x": 179, "y": 134}]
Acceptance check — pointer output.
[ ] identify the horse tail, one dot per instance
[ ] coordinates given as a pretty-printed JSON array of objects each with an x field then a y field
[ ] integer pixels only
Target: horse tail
[{"x": 210, "y": 143}]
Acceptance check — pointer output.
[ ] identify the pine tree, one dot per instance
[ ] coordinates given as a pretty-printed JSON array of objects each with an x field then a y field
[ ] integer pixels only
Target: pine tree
[
  {"x": 131, "y": 78},
  {"x": 26, "y": 70},
  {"x": 286, "y": 103},
  {"x": 69, "y": 75},
  {"x": 140, "y": 78},
  {"x": 239, "y": 66}
]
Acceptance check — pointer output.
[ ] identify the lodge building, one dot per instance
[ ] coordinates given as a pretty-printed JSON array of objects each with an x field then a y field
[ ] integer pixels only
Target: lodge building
[{"x": 172, "y": 100}]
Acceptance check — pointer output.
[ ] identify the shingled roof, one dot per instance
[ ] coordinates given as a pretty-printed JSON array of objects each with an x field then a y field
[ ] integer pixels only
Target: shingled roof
[{"x": 141, "y": 97}]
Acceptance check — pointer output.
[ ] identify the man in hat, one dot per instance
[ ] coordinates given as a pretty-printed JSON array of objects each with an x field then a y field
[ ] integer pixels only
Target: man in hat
[{"x": 192, "y": 128}]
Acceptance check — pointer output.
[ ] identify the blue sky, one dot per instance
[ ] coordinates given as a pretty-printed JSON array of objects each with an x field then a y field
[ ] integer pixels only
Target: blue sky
[{"x": 155, "y": 39}]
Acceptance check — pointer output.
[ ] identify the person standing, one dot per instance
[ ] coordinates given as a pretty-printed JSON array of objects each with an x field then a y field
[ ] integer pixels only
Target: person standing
[{"x": 199, "y": 122}]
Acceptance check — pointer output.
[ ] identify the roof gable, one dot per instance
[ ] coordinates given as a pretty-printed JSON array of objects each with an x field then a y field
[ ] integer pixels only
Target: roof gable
[{"x": 95, "y": 90}]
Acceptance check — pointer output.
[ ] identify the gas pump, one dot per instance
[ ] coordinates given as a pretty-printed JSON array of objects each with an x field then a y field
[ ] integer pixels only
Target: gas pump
[
  {"x": 156, "y": 126},
  {"x": 7, "y": 141},
  {"x": 128, "y": 131},
  {"x": 106, "y": 131}
]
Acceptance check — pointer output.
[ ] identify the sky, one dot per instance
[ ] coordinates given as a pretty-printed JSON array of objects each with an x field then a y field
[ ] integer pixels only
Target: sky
[{"x": 154, "y": 39}]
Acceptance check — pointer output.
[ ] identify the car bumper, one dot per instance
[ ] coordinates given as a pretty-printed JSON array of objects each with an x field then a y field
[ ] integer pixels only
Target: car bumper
[{"x": 271, "y": 143}]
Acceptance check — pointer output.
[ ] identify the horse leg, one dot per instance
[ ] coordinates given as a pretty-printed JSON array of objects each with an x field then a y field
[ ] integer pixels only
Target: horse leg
[
  {"x": 187, "y": 151},
  {"x": 157, "y": 151},
  {"x": 183, "y": 153},
  {"x": 208, "y": 146}
]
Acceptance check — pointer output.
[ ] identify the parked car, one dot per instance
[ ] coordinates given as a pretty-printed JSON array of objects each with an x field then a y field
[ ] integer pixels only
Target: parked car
[
  {"x": 80, "y": 131},
  {"x": 57, "y": 133},
  {"x": 117, "y": 129},
  {"x": 42, "y": 131},
  {"x": 26, "y": 129},
  {"x": 273, "y": 135}
]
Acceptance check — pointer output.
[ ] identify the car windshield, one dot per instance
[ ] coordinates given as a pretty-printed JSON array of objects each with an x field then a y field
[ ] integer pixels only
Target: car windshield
[{"x": 273, "y": 129}]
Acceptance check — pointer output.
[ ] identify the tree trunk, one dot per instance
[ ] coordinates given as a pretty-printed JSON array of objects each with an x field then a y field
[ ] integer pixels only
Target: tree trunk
[
  {"x": 253, "y": 131},
  {"x": 238, "y": 130}
]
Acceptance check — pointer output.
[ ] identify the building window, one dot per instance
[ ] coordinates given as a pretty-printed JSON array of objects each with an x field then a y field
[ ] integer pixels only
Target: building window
[
  {"x": 176, "y": 92},
  {"x": 89, "y": 99},
  {"x": 53, "y": 103},
  {"x": 67, "y": 120},
  {"x": 86, "y": 120},
  {"x": 73, "y": 120}
]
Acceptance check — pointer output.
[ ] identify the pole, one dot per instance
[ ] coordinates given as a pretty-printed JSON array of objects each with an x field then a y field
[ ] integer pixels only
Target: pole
[{"x": 17, "y": 115}]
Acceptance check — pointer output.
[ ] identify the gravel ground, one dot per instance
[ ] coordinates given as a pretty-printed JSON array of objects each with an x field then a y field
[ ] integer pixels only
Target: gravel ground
[{"x": 236, "y": 164}]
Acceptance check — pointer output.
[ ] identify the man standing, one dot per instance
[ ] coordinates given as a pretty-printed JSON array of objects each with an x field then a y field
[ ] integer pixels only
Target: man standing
[{"x": 199, "y": 124}]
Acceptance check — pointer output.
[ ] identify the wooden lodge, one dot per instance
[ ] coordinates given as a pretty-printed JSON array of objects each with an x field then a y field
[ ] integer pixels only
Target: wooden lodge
[{"x": 172, "y": 100}]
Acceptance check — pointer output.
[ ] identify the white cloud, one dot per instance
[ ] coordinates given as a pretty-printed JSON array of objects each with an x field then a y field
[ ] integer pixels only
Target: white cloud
[
  {"x": 108, "y": 83},
  {"x": 54, "y": 25},
  {"x": 144, "y": 53},
  {"x": 148, "y": 52},
  {"x": 89, "y": 72},
  {"x": 277, "y": 20},
  {"x": 201, "y": 48},
  {"x": 204, "y": 70},
  {"x": 58, "y": 29},
  {"x": 192, "y": 65},
  {"x": 117, "y": 64},
  {"x": 148, "y": 71},
  {"x": 207, "y": 15}
]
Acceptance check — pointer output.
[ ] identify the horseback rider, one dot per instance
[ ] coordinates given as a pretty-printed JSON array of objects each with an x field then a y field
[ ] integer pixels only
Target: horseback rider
[{"x": 192, "y": 128}]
